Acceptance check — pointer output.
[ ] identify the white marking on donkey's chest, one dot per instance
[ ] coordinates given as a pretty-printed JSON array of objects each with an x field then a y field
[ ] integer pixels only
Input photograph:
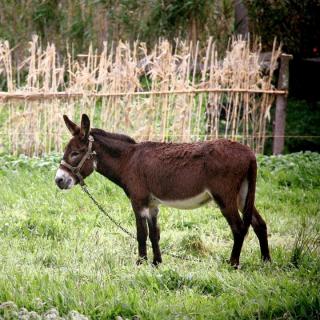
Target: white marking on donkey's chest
[{"x": 188, "y": 203}]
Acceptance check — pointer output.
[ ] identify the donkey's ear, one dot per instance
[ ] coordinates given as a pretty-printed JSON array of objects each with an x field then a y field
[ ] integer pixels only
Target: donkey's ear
[
  {"x": 73, "y": 128},
  {"x": 85, "y": 127}
]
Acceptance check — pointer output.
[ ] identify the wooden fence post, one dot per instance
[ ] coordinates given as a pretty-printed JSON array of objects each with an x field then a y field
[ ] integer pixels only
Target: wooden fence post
[{"x": 281, "y": 105}]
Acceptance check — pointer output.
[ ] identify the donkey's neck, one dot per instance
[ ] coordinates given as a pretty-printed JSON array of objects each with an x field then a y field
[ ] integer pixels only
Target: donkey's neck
[{"x": 112, "y": 156}]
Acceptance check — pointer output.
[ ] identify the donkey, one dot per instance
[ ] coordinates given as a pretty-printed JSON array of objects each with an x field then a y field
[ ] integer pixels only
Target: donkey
[{"x": 179, "y": 175}]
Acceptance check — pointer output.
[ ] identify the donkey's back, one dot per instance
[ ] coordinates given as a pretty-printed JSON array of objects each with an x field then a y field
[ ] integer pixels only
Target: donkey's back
[{"x": 182, "y": 171}]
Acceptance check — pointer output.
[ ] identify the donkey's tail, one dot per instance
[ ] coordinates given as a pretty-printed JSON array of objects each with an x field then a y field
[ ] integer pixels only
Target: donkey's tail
[{"x": 249, "y": 203}]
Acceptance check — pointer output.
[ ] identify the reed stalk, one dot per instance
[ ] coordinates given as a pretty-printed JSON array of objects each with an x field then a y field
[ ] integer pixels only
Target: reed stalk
[{"x": 180, "y": 84}]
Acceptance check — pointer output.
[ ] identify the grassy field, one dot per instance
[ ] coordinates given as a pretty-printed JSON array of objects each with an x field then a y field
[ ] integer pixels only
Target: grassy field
[{"x": 58, "y": 251}]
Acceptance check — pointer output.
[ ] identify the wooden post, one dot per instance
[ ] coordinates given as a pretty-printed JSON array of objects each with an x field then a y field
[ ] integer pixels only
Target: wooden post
[{"x": 281, "y": 105}]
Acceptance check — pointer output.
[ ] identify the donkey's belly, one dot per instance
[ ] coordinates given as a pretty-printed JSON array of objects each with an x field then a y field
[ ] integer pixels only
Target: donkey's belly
[{"x": 188, "y": 203}]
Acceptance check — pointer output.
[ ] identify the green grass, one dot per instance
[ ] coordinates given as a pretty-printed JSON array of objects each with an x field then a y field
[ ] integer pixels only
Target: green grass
[{"x": 58, "y": 251}]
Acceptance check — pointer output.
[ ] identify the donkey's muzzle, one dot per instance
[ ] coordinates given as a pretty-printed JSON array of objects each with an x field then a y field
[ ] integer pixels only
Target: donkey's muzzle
[
  {"x": 60, "y": 183},
  {"x": 63, "y": 183}
]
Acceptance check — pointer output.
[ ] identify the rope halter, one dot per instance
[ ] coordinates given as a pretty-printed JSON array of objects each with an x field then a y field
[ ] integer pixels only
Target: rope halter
[{"x": 76, "y": 170}]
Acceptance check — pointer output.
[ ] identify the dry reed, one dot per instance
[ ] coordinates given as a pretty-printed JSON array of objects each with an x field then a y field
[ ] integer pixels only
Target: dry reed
[{"x": 180, "y": 93}]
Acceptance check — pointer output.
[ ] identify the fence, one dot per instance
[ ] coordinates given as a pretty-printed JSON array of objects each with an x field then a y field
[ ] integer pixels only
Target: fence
[{"x": 179, "y": 92}]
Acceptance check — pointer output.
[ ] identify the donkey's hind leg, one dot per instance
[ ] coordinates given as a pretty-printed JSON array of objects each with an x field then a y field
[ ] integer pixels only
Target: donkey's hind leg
[
  {"x": 154, "y": 235},
  {"x": 238, "y": 230},
  {"x": 260, "y": 229}
]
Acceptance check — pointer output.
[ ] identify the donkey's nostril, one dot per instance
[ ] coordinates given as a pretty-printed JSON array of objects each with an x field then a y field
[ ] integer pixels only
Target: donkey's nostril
[{"x": 59, "y": 181}]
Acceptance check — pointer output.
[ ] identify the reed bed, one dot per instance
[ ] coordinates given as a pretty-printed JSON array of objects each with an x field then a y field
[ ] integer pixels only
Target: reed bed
[{"x": 177, "y": 92}]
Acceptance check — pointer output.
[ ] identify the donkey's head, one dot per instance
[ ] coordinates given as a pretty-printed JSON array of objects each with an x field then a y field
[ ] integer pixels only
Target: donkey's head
[{"x": 78, "y": 161}]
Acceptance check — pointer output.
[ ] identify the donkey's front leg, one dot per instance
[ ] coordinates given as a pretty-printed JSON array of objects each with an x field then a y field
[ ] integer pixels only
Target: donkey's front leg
[
  {"x": 142, "y": 231},
  {"x": 154, "y": 235}
]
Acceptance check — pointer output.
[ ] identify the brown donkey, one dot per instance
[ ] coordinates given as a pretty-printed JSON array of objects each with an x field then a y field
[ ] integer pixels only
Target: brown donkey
[{"x": 184, "y": 176}]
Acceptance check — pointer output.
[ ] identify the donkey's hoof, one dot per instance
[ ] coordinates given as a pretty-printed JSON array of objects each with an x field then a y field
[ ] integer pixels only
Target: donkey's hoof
[
  {"x": 234, "y": 264},
  {"x": 141, "y": 260},
  {"x": 156, "y": 262},
  {"x": 267, "y": 259}
]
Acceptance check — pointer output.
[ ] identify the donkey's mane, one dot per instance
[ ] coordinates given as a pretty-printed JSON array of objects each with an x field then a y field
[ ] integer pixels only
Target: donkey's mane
[
  {"x": 115, "y": 136},
  {"x": 114, "y": 143}
]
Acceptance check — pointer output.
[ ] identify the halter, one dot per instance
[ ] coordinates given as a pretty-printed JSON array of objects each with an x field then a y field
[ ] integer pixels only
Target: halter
[{"x": 76, "y": 170}]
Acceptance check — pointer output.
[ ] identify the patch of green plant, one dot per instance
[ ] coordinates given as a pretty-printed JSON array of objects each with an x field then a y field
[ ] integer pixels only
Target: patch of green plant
[
  {"x": 307, "y": 243},
  {"x": 59, "y": 253},
  {"x": 11, "y": 162},
  {"x": 300, "y": 170}
]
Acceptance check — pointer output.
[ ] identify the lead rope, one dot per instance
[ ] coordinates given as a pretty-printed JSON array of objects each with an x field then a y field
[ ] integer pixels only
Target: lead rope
[{"x": 130, "y": 234}]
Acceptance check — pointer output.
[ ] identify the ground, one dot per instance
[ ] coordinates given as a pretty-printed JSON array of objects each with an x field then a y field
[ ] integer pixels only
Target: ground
[{"x": 58, "y": 251}]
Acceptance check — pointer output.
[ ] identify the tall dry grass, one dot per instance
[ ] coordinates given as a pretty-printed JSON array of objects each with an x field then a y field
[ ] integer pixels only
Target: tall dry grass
[{"x": 180, "y": 92}]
